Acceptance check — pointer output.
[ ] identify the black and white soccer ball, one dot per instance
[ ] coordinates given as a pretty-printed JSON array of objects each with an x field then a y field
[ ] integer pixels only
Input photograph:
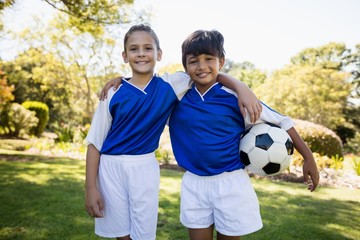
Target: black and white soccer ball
[{"x": 266, "y": 149}]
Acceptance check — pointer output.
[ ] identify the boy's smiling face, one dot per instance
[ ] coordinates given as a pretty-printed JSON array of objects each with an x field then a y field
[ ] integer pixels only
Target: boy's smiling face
[{"x": 203, "y": 70}]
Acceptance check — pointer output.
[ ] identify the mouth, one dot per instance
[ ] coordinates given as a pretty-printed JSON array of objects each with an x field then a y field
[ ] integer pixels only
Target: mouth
[
  {"x": 202, "y": 75},
  {"x": 141, "y": 62}
]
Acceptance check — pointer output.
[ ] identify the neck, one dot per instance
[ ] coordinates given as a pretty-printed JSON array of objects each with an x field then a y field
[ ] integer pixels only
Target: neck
[{"x": 140, "y": 80}]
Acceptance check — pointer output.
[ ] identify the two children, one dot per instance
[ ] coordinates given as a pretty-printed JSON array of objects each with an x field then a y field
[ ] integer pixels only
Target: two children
[{"x": 122, "y": 173}]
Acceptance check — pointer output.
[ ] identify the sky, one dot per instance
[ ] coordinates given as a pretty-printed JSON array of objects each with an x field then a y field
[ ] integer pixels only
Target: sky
[{"x": 266, "y": 33}]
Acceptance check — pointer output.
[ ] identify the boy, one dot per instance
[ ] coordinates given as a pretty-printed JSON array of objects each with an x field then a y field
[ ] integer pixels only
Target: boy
[{"x": 216, "y": 190}]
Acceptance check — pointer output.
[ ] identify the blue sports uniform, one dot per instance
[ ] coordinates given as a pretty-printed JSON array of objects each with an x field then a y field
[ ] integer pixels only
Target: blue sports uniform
[
  {"x": 205, "y": 130},
  {"x": 126, "y": 128},
  {"x": 131, "y": 120}
]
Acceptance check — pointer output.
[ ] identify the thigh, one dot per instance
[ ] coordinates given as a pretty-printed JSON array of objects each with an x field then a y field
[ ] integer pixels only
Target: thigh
[
  {"x": 201, "y": 233},
  {"x": 196, "y": 211},
  {"x": 116, "y": 220},
  {"x": 220, "y": 236},
  {"x": 143, "y": 188},
  {"x": 237, "y": 209}
]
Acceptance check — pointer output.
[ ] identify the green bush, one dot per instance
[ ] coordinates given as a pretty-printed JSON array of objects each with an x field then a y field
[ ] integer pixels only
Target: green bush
[
  {"x": 320, "y": 140},
  {"x": 353, "y": 144},
  {"x": 17, "y": 120},
  {"x": 41, "y": 112}
]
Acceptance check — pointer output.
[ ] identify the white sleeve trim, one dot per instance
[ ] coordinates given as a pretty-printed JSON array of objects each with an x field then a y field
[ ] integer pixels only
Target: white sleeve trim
[
  {"x": 101, "y": 122},
  {"x": 270, "y": 116},
  {"x": 179, "y": 81}
]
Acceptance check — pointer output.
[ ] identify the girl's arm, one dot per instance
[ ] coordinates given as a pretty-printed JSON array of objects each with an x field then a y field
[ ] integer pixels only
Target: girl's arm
[
  {"x": 93, "y": 200},
  {"x": 309, "y": 166},
  {"x": 247, "y": 99}
]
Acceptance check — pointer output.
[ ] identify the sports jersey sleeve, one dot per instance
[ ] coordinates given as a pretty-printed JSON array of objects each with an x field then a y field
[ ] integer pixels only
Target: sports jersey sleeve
[
  {"x": 179, "y": 81},
  {"x": 271, "y": 116},
  {"x": 101, "y": 123}
]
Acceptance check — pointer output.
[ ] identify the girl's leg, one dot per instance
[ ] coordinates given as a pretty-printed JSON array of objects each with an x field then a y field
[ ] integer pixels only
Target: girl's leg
[{"x": 201, "y": 233}]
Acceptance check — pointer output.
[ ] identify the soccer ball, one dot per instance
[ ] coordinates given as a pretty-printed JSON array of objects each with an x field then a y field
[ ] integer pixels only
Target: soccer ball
[{"x": 266, "y": 149}]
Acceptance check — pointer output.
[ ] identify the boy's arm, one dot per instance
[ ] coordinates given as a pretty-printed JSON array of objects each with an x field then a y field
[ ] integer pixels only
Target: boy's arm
[
  {"x": 115, "y": 82},
  {"x": 247, "y": 99},
  {"x": 309, "y": 167},
  {"x": 93, "y": 200}
]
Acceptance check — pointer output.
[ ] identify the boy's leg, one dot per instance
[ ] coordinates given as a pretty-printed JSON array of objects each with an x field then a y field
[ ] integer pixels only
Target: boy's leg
[
  {"x": 220, "y": 236},
  {"x": 124, "y": 238},
  {"x": 201, "y": 233}
]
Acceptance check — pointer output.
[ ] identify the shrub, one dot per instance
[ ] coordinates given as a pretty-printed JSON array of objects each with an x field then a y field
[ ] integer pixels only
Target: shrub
[
  {"x": 41, "y": 112},
  {"x": 18, "y": 120},
  {"x": 64, "y": 132},
  {"x": 320, "y": 139},
  {"x": 353, "y": 144},
  {"x": 356, "y": 165}
]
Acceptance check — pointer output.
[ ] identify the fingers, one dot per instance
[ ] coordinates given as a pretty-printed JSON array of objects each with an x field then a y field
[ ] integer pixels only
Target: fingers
[
  {"x": 311, "y": 183},
  {"x": 102, "y": 95},
  {"x": 254, "y": 113},
  {"x": 96, "y": 210},
  {"x": 242, "y": 110}
]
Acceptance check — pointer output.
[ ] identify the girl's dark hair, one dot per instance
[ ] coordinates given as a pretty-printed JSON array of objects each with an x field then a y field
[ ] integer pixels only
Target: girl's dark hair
[
  {"x": 142, "y": 28},
  {"x": 203, "y": 42}
]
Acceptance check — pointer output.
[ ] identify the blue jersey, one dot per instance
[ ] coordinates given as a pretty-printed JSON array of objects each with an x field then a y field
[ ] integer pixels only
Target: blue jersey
[
  {"x": 205, "y": 130},
  {"x": 131, "y": 120}
]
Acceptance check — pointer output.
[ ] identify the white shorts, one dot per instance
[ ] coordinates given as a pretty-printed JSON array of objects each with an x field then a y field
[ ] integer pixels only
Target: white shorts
[
  {"x": 129, "y": 185},
  {"x": 227, "y": 200}
]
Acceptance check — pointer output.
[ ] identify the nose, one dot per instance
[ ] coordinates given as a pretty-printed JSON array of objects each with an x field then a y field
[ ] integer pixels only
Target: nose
[
  {"x": 141, "y": 52},
  {"x": 201, "y": 64}
]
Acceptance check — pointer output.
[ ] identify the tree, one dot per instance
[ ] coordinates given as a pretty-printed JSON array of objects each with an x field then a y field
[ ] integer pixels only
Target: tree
[
  {"x": 246, "y": 72},
  {"x": 65, "y": 63},
  {"x": 329, "y": 56},
  {"x": 311, "y": 93}
]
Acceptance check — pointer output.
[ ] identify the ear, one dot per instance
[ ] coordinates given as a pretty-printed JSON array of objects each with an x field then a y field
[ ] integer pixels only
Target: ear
[
  {"x": 159, "y": 55},
  {"x": 124, "y": 55},
  {"x": 221, "y": 62}
]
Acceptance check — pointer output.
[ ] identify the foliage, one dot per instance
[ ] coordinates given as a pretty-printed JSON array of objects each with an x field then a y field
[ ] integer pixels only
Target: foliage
[
  {"x": 41, "y": 112},
  {"x": 247, "y": 73},
  {"x": 320, "y": 139},
  {"x": 6, "y": 3},
  {"x": 38, "y": 76},
  {"x": 329, "y": 56},
  {"x": 171, "y": 68},
  {"x": 64, "y": 132},
  {"x": 353, "y": 144},
  {"x": 93, "y": 16},
  {"x": 5, "y": 91},
  {"x": 310, "y": 93},
  {"x": 353, "y": 61},
  {"x": 163, "y": 156},
  {"x": 17, "y": 120},
  {"x": 356, "y": 165}
]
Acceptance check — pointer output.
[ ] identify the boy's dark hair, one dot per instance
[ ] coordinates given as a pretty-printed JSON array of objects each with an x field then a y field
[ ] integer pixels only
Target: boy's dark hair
[
  {"x": 142, "y": 28},
  {"x": 203, "y": 42}
]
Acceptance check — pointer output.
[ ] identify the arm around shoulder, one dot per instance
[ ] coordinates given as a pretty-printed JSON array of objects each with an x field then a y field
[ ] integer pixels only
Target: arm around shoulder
[{"x": 247, "y": 99}]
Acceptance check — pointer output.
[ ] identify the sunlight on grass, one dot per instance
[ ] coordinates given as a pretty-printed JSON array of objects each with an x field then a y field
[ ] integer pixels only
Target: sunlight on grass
[{"x": 43, "y": 198}]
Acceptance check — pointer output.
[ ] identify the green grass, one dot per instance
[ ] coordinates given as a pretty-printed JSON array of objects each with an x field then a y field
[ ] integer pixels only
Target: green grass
[{"x": 43, "y": 198}]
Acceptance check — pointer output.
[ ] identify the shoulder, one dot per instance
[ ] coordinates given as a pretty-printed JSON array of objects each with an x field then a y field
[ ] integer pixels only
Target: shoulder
[{"x": 228, "y": 91}]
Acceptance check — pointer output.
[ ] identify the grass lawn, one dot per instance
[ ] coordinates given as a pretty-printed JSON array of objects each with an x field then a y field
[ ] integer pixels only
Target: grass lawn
[{"x": 43, "y": 198}]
